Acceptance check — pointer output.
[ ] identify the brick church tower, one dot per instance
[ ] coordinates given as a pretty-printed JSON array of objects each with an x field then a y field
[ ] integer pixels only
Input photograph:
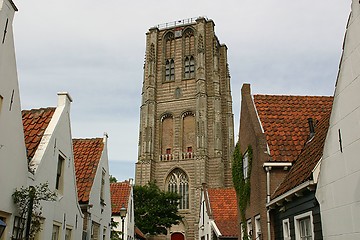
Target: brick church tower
[{"x": 186, "y": 122}]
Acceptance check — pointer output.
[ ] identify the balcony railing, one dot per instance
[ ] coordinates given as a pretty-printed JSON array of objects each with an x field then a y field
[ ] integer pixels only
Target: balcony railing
[
  {"x": 170, "y": 157},
  {"x": 176, "y": 23},
  {"x": 187, "y": 155},
  {"x": 166, "y": 157}
]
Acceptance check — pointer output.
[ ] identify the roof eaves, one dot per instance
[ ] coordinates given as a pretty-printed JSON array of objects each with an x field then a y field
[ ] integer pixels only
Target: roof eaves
[
  {"x": 291, "y": 192},
  {"x": 215, "y": 228}
]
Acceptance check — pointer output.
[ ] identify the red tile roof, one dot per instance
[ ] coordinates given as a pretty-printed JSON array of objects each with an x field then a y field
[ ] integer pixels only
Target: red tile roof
[
  {"x": 87, "y": 155},
  {"x": 120, "y": 193},
  {"x": 223, "y": 204},
  {"x": 35, "y": 122},
  {"x": 302, "y": 169},
  {"x": 284, "y": 120}
]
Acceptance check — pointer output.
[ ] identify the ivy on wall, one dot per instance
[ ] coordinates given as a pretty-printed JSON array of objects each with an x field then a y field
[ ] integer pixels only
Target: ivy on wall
[{"x": 241, "y": 184}]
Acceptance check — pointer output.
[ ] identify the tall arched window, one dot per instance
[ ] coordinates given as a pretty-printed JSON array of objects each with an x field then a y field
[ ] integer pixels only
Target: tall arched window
[
  {"x": 167, "y": 136},
  {"x": 178, "y": 182},
  {"x": 169, "y": 70},
  {"x": 169, "y": 42},
  {"x": 189, "y": 65},
  {"x": 188, "y": 135},
  {"x": 189, "y": 51}
]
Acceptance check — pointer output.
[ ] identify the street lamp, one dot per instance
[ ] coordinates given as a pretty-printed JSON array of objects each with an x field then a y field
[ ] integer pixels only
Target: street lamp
[
  {"x": 2, "y": 227},
  {"x": 123, "y": 211}
]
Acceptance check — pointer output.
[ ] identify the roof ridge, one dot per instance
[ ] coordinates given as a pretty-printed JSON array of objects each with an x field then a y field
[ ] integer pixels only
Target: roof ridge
[
  {"x": 293, "y": 95},
  {"x": 94, "y": 138},
  {"x": 38, "y": 109}
]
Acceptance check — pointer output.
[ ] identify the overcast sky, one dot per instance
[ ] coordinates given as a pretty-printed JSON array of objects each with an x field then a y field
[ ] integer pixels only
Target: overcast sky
[{"x": 95, "y": 51}]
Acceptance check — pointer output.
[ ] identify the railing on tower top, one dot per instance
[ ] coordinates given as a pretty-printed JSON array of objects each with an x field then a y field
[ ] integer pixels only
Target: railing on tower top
[{"x": 177, "y": 23}]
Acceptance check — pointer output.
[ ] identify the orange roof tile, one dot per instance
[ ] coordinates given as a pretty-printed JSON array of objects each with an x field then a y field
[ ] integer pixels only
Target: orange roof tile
[
  {"x": 87, "y": 154},
  {"x": 139, "y": 234},
  {"x": 284, "y": 120},
  {"x": 35, "y": 122},
  {"x": 120, "y": 192},
  {"x": 307, "y": 160},
  {"x": 223, "y": 204}
]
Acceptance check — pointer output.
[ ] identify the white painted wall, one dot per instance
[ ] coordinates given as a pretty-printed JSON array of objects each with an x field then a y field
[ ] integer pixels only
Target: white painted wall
[
  {"x": 13, "y": 168},
  {"x": 338, "y": 189},
  {"x": 129, "y": 221},
  {"x": 57, "y": 140},
  {"x": 101, "y": 213},
  {"x": 204, "y": 221}
]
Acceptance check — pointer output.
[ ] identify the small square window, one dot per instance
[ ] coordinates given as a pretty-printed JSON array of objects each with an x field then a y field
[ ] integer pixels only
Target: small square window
[{"x": 168, "y": 151}]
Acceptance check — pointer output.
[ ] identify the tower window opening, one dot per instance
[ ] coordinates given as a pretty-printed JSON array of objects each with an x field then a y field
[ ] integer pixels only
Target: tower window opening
[
  {"x": 189, "y": 68},
  {"x": 169, "y": 70},
  {"x": 178, "y": 182}
]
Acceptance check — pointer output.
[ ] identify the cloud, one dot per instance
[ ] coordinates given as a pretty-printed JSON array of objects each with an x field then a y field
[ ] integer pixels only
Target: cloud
[{"x": 95, "y": 50}]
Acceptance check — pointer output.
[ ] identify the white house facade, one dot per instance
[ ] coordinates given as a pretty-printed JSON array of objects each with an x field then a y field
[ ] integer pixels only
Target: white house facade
[
  {"x": 338, "y": 189},
  {"x": 12, "y": 147},
  {"x": 49, "y": 148}
]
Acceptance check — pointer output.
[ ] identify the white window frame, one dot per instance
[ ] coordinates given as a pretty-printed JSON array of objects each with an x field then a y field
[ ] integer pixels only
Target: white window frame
[
  {"x": 249, "y": 227},
  {"x": 241, "y": 231},
  {"x": 68, "y": 233},
  {"x": 297, "y": 220},
  {"x": 56, "y": 229},
  {"x": 286, "y": 229},
  {"x": 257, "y": 227},
  {"x": 245, "y": 165}
]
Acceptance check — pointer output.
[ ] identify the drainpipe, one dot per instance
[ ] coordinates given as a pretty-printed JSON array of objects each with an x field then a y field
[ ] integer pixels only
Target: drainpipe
[
  {"x": 268, "y": 166},
  {"x": 267, "y": 169}
]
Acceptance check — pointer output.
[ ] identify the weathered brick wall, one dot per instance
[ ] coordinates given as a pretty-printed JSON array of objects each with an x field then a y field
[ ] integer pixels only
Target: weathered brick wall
[{"x": 198, "y": 114}]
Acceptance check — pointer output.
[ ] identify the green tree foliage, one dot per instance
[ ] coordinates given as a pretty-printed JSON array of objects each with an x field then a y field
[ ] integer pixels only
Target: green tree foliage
[
  {"x": 114, "y": 235},
  {"x": 155, "y": 210},
  {"x": 242, "y": 185},
  {"x": 112, "y": 179},
  {"x": 23, "y": 198}
]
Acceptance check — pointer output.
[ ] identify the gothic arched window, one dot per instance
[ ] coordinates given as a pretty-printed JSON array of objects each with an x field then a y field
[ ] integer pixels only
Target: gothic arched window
[
  {"x": 167, "y": 136},
  {"x": 169, "y": 70},
  {"x": 178, "y": 182},
  {"x": 189, "y": 67}
]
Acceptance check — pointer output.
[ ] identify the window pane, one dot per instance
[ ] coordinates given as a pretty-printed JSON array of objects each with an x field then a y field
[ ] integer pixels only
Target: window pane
[{"x": 305, "y": 228}]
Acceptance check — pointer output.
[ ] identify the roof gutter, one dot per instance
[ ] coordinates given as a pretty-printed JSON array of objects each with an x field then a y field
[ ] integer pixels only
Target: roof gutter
[
  {"x": 292, "y": 192},
  {"x": 215, "y": 228},
  {"x": 268, "y": 166},
  {"x": 308, "y": 184}
]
